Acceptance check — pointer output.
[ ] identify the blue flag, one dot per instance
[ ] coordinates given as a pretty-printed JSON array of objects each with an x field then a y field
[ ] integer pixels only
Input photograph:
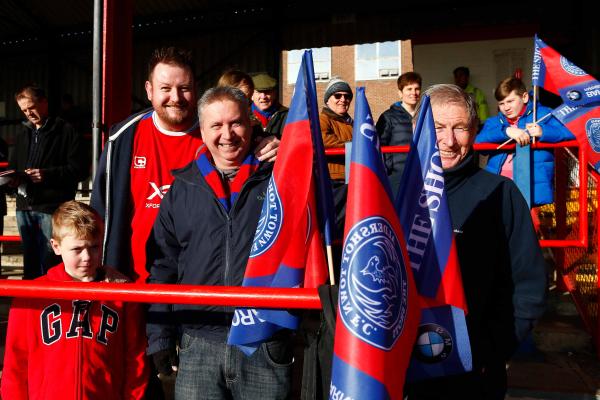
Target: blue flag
[{"x": 443, "y": 346}]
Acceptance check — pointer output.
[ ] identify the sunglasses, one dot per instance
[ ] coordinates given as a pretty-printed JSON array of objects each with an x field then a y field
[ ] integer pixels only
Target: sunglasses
[{"x": 338, "y": 96}]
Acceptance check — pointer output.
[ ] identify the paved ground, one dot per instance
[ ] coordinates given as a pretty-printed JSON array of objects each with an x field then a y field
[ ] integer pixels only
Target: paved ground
[{"x": 561, "y": 362}]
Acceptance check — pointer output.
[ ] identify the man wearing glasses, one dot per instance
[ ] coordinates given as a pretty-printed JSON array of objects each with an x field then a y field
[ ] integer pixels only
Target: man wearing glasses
[
  {"x": 336, "y": 124},
  {"x": 501, "y": 263}
]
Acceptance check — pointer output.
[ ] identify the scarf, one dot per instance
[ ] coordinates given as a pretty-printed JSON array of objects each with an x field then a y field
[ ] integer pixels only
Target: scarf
[
  {"x": 263, "y": 116},
  {"x": 226, "y": 185}
]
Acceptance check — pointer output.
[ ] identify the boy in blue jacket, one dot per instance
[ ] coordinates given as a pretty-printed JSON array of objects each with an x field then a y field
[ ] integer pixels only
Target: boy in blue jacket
[{"x": 515, "y": 121}]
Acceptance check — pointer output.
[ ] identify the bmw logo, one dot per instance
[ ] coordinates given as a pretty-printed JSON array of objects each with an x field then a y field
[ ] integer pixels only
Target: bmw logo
[
  {"x": 434, "y": 344},
  {"x": 573, "y": 95}
]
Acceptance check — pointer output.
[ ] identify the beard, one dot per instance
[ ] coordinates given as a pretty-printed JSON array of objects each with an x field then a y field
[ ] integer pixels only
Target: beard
[{"x": 175, "y": 115}]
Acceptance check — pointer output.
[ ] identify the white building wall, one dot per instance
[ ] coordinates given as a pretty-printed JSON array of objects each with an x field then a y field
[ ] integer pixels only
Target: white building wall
[{"x": 489, "y": 61}]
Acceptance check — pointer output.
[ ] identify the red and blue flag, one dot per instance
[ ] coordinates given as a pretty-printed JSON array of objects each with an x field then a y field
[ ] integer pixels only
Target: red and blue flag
[
  {"x": 584, "y": 123},
  {"x": 286, "y": 251},
  {"x": 378, "y": 308},
  {"x": 558, "y": 75},
  {"x": 442, "y": 346}
]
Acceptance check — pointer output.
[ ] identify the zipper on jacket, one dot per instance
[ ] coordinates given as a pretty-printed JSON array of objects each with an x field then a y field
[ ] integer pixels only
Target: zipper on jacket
[
  {"x": 228, "y": 216},
  {"x": 79, "y": 373},
  {"x": 228, "y": 238}
]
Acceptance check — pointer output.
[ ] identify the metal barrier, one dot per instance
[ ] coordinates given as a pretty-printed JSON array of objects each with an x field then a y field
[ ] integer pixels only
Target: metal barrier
[
  {"x": 261, "y": 297},
  {"x": 579, "y": 241},
  {"x": 578, "y": 266},
  {"x": 571, "y": 225}
]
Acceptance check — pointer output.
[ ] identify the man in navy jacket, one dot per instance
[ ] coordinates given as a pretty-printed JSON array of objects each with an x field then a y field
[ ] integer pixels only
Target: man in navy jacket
[
  {"x": 502, "y": 267},
  {"x": 204, "y": 231}
]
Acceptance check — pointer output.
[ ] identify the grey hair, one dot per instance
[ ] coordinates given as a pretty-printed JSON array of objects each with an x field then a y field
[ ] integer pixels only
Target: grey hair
[
  {"x": 221, "y": 93},
  {"x": 446, "y": 93}
]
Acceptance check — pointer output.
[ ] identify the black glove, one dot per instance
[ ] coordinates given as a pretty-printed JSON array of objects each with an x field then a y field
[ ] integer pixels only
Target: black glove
[{"x": 165, "y": 361}]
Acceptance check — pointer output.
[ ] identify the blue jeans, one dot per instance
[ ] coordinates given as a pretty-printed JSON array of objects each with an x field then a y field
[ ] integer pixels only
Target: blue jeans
[
  {"x": 213, "y": 370},
  {"x": 35, "y": 229}
]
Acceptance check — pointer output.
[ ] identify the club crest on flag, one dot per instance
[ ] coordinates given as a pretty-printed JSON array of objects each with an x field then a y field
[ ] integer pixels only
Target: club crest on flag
[
  {"x": 269, "y": 223},
  {"x": 373, "y": 289},
  {"x": 367, "y": 129},
  {"x": 571, "y": 68},
  {"x": 434, "y": 343},
  {"x": 592, "y": 130}
]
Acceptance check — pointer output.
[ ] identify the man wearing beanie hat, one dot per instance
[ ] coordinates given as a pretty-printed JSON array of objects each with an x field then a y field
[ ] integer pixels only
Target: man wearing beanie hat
[
  {"x": 265, "y": 105},
  {"x": 336, "y": 124}
]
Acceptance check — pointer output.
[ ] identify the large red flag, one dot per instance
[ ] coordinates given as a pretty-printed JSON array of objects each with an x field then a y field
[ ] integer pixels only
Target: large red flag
[
  {"x": 286, "y": 251},
  {"x": 378, "y": 309},
  {"x": 584, "y": 123},
  {"x": 558, "y": 75}
]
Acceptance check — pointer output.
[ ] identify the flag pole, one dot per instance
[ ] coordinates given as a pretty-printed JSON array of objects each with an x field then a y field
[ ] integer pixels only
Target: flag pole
[
  {"x": 330, "y": 264},
  {"x": 535, "y": 121}
]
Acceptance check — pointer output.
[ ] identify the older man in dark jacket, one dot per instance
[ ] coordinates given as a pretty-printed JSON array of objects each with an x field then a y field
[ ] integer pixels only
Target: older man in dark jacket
[
  {"x": 503, "y": 270},
  {"x": 50, "y": 161},
  {"x": 204, "y": 232}
]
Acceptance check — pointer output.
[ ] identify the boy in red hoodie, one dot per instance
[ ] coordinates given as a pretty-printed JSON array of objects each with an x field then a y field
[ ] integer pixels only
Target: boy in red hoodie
[{"x": 75, "y": 349}]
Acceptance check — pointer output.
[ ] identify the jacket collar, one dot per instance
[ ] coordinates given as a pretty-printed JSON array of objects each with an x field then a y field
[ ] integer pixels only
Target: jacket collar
[
  {"x": 342, "y": 118},
  {"x": 49, "y": 124},
  {"x": 454, "y": 177},
  {"x": 58, "y": 273},
  {"x": 192, "y": 175}
]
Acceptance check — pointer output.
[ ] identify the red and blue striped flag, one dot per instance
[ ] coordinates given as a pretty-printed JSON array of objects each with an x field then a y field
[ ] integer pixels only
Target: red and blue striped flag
[
  {"x": 584, "y": 123},
  {"x": 287, "y": 251},
  {"x": 558, "y": 75},
  {"x": 378, "y": 308},
  {"x": 442, "y": 346}
]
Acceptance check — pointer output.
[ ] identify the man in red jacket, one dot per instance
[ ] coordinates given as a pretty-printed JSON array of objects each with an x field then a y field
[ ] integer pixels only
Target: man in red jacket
[{"x": 75, "y": 349}]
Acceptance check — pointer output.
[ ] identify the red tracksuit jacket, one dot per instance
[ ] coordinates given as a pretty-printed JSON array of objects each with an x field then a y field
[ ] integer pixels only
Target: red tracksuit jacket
[{"x": 74, "y": 349}]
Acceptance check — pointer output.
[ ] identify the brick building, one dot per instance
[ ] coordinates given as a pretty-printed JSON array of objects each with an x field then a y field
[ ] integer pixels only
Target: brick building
[{"x": 376, "y": 66}]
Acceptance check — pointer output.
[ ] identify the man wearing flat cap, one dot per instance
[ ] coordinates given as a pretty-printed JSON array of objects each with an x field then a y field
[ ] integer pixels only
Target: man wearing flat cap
[{"x": 265, "y": 105}]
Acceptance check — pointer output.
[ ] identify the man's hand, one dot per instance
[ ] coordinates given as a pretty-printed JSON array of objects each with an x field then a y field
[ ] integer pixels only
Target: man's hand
[
  {"x": 519, "y": 135},
  {"x": 165, "y": 361},
  {"x": 267, "y": 148},
  {"x": 35, "y": 174}
]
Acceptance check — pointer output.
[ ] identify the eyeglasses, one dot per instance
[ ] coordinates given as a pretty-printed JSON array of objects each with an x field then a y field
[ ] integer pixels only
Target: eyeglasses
[{"x": 338, "y": 96}]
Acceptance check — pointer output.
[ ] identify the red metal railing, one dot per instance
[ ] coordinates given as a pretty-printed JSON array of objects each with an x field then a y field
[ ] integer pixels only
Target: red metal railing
[
  {"x": 580, "y": 241},
  {"x": 154, "y": 293},
  {"x": 578, "y": 266},
  {"x": 582, "y": 238},
  {"x": 571, "y": 249}
]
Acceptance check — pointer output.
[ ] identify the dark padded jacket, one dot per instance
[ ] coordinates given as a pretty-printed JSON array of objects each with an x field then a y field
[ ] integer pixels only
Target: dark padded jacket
[
  {"x": 394, "y": 128},
  {"x": 63, "y": 163},
  {"x": 276, "y": 123},
  {"x": 503, "y": 270},
  {"x": 199, "y": 243}
]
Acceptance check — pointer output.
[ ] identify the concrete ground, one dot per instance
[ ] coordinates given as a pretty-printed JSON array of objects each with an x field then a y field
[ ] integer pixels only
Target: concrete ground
[{"x": 560, "y": 362}]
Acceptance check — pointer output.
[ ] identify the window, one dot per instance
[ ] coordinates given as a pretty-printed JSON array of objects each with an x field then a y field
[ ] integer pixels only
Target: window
[
  {"x": 321, "y": 63},
  {"x": 377, "y": 60}
]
